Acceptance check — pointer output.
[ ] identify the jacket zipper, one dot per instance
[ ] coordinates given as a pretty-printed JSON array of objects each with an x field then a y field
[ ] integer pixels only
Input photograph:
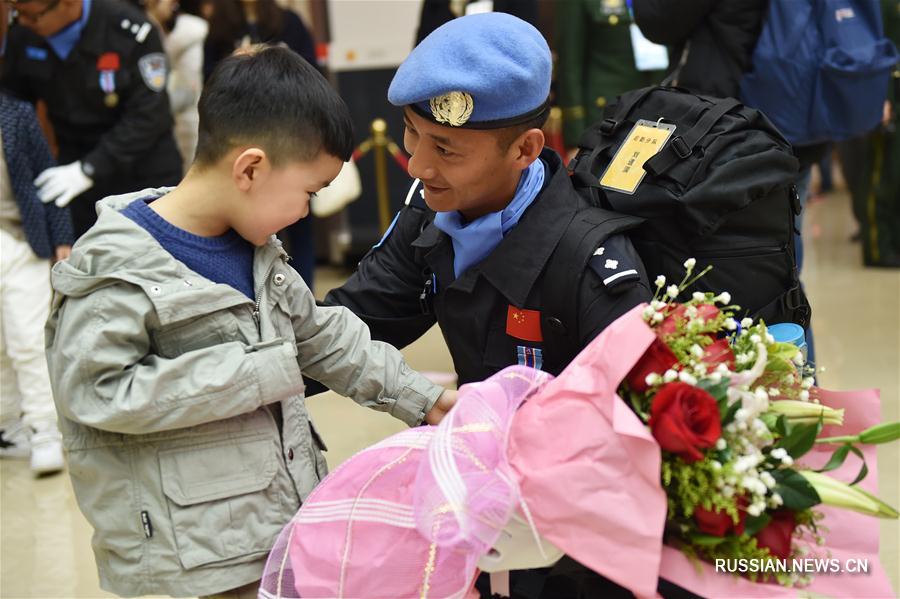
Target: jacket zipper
[{"x": 258, "y": 303}]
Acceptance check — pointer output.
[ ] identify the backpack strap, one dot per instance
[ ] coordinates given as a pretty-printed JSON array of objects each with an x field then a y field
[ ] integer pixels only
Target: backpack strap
[
  {"x": 561, "y": 281},
  {"x": 682, "y": 146}
]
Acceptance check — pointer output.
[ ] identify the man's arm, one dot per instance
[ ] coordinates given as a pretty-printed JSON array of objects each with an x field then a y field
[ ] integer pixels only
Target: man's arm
[
  {"x": 670, "y": 22},
  {"x": 386, "y": 289},
  {"x": 145, "y": 112},
  {"x": 614, "y": 283}
]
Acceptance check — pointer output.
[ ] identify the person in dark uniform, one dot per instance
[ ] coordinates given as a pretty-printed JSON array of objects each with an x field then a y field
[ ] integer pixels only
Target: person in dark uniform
[
  {"x": 596, "y": 63},
  {"x": 99, "y": 66},
  {"x": 471, "y": 247}
]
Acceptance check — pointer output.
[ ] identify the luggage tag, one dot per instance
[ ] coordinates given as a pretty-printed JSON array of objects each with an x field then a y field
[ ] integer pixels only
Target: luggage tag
[{"x": 626, "y": 170}]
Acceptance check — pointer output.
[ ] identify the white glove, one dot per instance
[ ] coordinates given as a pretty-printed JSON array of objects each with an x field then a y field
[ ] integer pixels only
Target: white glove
[
  {"x": 345, "y": 188},
  {"x": 61, "y": 184}
]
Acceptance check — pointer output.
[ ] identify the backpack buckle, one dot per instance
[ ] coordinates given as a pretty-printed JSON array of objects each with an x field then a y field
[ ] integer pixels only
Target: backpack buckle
[
  {"x": 608, "y": 126},
  {"x": 680, "y": 147}
]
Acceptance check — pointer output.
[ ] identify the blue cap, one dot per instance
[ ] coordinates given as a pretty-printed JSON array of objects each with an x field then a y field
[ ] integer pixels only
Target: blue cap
[{"x": 481, "y": 71}]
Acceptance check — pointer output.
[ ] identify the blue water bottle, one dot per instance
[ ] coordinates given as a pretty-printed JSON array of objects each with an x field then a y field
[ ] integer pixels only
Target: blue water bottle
[{"x": 788, "y": 332}]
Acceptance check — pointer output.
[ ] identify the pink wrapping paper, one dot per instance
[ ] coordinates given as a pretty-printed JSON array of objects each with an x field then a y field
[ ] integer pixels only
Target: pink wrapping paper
[{"x": 588, "y": 468}]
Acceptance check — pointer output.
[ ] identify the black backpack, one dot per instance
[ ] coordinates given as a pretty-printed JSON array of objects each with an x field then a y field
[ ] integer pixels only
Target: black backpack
[{"x": 721, "y": 190}]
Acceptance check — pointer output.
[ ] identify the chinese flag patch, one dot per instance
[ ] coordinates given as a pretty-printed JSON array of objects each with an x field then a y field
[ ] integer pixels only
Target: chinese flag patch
[
  {"x": 108, "y": 61},
  {"x": 523, "y": 324}
]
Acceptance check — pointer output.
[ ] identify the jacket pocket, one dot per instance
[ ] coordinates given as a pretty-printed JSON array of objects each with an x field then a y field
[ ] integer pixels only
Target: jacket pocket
[
  {"x": 205, "y": 331},
  {"x": 225, "y": 499}
]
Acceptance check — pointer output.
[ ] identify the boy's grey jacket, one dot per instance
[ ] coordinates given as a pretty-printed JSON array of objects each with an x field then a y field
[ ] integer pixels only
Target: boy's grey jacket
[{"x": 164, "y": 382}]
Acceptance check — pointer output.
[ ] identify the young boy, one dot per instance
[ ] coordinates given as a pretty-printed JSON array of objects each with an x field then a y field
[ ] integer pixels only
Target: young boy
[{"x": 178, "y": 334}]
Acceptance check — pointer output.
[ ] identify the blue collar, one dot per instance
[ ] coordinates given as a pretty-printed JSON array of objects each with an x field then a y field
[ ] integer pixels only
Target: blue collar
[
  {"x": 474, "y": 241},
  {"x": 63, "y": 41}
]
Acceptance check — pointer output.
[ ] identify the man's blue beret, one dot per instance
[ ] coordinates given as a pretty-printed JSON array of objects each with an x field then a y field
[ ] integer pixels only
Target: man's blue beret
[{"x": 481, "y": 71}]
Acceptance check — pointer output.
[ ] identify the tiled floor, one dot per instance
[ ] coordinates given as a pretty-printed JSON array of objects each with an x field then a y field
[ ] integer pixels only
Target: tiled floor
[{"x": 45, "y": 541}]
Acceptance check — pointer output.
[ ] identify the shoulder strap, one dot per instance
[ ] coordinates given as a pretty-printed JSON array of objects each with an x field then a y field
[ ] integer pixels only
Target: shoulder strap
[{"x": 561, "y": 281}]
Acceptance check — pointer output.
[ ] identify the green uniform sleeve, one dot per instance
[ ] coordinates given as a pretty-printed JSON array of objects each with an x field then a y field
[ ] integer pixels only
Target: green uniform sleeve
[{"x": 571, "y": 47}]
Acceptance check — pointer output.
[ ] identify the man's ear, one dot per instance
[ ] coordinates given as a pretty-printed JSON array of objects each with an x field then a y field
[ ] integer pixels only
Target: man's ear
[
  {"x": 250, "y": 167},
  {"x": 527, "y": 147}
]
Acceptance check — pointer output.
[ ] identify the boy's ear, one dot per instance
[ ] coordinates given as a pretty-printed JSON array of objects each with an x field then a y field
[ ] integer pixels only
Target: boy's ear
[
  {"x": 527, "y": 147},
  {"x": 249, "y": 168}
]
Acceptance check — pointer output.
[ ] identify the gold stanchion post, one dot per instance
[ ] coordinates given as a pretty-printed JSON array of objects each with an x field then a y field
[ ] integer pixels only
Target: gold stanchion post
[{"x": 380, "y": 143}]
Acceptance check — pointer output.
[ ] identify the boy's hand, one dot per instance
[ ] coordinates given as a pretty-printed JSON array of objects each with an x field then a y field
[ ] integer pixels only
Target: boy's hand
[{"x": 440, "y": 408}]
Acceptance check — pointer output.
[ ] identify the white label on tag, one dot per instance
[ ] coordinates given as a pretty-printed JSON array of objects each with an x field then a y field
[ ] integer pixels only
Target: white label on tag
[{"x": 647, "y": 55}]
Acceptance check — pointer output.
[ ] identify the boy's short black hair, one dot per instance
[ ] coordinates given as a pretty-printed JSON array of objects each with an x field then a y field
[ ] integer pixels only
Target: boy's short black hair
[{"x": 272, "y": 98}]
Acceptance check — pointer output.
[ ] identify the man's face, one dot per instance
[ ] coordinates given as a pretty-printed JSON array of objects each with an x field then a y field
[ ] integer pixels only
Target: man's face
[
  {"x": 47, "y": 17},
  {"x": 462, "y": 169}
]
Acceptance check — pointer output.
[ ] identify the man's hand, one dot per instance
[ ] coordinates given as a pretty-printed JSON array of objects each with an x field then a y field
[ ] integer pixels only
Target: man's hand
[
  {"x": 440, "y": 408},
  {"x": 61, "y": 184},
  {"x": 63, "y": 252}
]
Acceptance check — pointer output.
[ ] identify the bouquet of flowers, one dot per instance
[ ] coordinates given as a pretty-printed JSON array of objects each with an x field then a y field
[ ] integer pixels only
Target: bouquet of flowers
[{"x": 735, "y": 412}]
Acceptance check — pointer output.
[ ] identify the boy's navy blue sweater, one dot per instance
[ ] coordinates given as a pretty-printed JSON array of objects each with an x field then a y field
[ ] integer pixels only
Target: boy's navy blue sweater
[{"x": 224, "y": 259}]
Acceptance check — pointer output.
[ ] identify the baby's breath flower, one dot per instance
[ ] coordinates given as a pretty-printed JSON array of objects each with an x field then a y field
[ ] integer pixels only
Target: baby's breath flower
[
  {"x": 747, "y": 322},
  {"x": 770, "y": 339},
  {"x": 798, "y": 359},
  {"x": 721, "y": 444},
  {"x": 723, "y": 298},
  {"x": 723, "y": 368},
  {"x": 670, "y": 375},
  {"x": 773, "y": 392},
  {"x": 648, "y": 312},
  {"x": 698, "y": 296},
  {"x": 690, "y": 263},
  {"x": 778, "y": 453},
  {"x": 715, "y": 465},
  {"x": 807, "y": 382},
  {"x": 660, "y": 281},
  {"x": 672, "y": 291},
  {"x": 754, "y": 338},
  {"x": 754, "y": 510},
  {"x": 686, "y": 377},
  {"x": 776, "y": 500},
  {"x": 651, "y": 379},
  {"x": 715, "y": 377},
  {"x": 741, "y": 415},
  {"x": 730, "y": 324},
  {"x": 787, "y": 460},
  {"x": 697, "y": 350},
  {"x": 658, "y": 317},
  {"x": 804, "y": 395},
  {"x": 727, "y": 491},
  {"x": 767, "y": 480}
]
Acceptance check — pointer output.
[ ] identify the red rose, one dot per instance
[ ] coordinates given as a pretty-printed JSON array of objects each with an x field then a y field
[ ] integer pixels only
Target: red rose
[
  {"x": 776, "y": 536},
  {"x": 719, "y": 523},
  {"x": 718, "y": 352},
  {"x": 685, "y": 419},
  {"x": 677, "y": 316},
  {"x": 658, "y": 358}
]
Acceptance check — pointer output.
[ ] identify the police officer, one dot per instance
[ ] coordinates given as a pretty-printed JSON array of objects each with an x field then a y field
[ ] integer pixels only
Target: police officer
[
  {"x": 490, "y": 206},
  {"x": 100, "y": 68},
  {"x": 597, "y": 61}
]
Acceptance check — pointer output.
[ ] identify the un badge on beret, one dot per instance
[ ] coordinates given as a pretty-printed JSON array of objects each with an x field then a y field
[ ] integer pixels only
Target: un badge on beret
[{"x": 453, "y": 108}]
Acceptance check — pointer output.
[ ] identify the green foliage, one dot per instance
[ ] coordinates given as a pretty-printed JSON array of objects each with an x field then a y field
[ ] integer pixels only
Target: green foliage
[{"x": 795, "y": 491}]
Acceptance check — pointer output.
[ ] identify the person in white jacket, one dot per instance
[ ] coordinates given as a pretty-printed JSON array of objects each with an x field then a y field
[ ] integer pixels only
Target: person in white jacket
[{"x": 182, "y": 37}]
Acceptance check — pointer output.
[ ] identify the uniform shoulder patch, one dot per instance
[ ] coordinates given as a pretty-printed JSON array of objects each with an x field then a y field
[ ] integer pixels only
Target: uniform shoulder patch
[
  {"x": 137, "y": 29},
  {"x": 614, "y": 263},
  {"x": 154, "y": 69}
]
